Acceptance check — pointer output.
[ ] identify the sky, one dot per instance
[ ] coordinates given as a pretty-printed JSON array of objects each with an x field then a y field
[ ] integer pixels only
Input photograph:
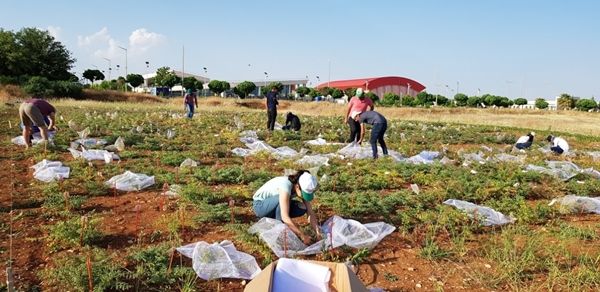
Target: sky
[{"x": 514, "y": 48}]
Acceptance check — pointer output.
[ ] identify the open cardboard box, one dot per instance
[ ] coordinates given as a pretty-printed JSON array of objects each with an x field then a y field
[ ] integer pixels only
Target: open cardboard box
[{"x": 342, "y": 279}]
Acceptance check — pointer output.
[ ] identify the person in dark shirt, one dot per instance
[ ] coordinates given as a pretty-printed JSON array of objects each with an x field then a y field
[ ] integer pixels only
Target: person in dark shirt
[
  {"x": 34, "y": 112},
  {"x": 379, "y": 124},
  {"x": 292, "y": 122},
  {"x": 271, "y": 105}
]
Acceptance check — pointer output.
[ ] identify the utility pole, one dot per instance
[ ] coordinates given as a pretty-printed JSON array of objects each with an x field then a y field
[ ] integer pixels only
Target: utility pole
[
  {"x": 124, "y": 49},
  {"x": 182, "y": 67},
  {"x": 109, "y": 68},
  {"x": 329, "y": 77}
]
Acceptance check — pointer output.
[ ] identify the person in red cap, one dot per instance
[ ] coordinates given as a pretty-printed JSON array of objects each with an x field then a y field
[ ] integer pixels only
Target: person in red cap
[{"x": 277, "y": 199}]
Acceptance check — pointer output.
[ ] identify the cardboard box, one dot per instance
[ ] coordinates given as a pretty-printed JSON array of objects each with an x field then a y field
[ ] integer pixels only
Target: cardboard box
[{"x": 342, "y": 279}]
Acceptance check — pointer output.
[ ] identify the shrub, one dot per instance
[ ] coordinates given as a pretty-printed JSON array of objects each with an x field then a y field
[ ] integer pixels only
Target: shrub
[
  {"x": 67, "y": 89},
  {"x": 520, "y": 101},
  {"x": 70, "y": 232},
  {"x": 390, "y": 99},
  {"x": 586, "y": 104},
  {"x": 541, "y": 103},
  {"x": 461, "y": 99},
  {"x": 39, "y": 86}
]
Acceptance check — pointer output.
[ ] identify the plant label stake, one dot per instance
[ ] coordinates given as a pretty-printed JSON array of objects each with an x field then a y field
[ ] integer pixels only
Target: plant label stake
[
  {"x": 9, "y": 279},
  {"x": 67, "y": 198},
  {"x": 88, "y": 264},
  {"x": 84, "y": 224},
  {"x": 231, "y": 209},
  {"x": 171, "y": 261}
]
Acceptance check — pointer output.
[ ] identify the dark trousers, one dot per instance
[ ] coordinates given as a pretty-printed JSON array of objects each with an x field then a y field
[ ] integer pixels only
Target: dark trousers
[
  {"x": 377, "y": 136},
  {"x": 557, "y": 150},
  {"x": 272, "y": 116},
  {"x": 354, "y": 130},
  {"x": 270, "y": 208},
  {"x": 523, "y": 145}
]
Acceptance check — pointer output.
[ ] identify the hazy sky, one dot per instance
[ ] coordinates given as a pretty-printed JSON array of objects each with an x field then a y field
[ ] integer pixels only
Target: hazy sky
[{"x": 515, "y": 48}]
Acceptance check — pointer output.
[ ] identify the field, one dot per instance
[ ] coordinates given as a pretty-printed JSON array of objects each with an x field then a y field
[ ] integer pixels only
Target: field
[{"x": 126, "y": 239}]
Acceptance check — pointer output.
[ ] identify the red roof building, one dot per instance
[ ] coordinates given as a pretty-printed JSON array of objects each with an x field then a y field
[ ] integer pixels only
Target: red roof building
[{"x": 379, "y": 85}]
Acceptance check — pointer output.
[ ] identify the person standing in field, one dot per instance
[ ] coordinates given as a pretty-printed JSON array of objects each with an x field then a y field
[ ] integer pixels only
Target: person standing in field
[
  {"x": 558, "y": 145},
  {"x": 190, "y": 102},
  {"x": 34, "y": 112},
  {"x": 359, "y": 103},
  {"x": 271, "y": 105},
  {"x": 379, "y": 124},
  {"x": 287, "y": 197},
  {"x": 525, "y": 142}
]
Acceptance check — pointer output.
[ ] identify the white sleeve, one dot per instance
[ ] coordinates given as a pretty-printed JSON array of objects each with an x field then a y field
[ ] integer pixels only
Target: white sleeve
[{"x": 523, "y": 139}]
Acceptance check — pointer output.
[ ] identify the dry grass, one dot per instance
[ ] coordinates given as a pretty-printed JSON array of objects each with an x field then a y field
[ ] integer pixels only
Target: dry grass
[
  {"x": 112, "y": 95},
  {"x": 11, "y": 93},
  {"x": 572, "y": 122}
]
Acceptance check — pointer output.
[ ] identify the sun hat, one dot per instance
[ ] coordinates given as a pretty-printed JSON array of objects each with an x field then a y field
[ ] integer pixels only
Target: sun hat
[
  {"x": 354, "y": 114},
  {"x": 532, "y": 134},
  {"x": 189, "y": 91},
  {"x": 308, "y": 185},
  {"x": 359, "y": 92}
]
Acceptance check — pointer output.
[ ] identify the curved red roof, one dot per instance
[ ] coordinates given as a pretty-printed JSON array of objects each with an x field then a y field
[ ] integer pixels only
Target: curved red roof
[{"x": 374, "y": 82}]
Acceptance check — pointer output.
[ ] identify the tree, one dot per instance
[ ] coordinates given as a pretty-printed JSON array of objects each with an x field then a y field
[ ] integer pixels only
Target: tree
[
  {"x": 372, "y": 96},
  {"x": 408, "y": 100},
  {"x": 166, "y": 77},
  {"x": 192, "y": 83},
  {"x": 218, "y": 86},
  {"x": 473, "y": 101},
  {"x": 39, "y": 86},
  {"x": 302, "y": 91},
  {"x": 350, "y": 92},
  {"x": 34, "y": 52},
  {"x": 541, "y": 103},
  {"x": 565, "y": 102},
  {"x": 277, "y": 85},
  {"x": 337, "y": 93},
  {"x": 135, "y": 80},
  {"x": 520, "y": 101},
  {"x": 93, "y": 75},
  {"x": 244, "y": 88},
  {"x": 390, "y": 99},
  {"x": 461, "y": 99},
  {"x": 586, "y": 104}
]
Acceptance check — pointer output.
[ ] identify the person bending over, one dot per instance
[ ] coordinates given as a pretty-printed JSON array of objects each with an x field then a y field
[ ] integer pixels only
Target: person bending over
[
  {"x": 35, "y": 112},
  {"x": 525, "y": 142},
  {"x": 379, "y": 124},
  {"x": 558, "y": 145},
  {"x": 292, "y": 122}
]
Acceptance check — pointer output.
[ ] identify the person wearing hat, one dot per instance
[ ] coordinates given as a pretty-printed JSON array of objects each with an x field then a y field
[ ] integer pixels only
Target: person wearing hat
[
  {"x": 558, "y": 145},
  {"x": 379, "y": 124},
  {"x": 277, "y": 199},
  {"x": 358, "y": 103},
  {"x": 525, "y": 142},
  {"x": 35, "y": 112},
  {"x": 189, "y": 101}
]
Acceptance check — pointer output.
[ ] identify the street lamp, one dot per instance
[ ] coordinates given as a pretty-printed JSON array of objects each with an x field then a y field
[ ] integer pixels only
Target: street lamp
[
  {"x": 205, "y": 70},
  {"x": 147, "y": 64},
  {"x": 124, "y": 49},
  {"x": 109, "y": 67}
]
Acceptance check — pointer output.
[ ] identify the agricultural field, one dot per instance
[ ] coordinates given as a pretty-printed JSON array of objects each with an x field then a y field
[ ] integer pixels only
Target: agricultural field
[{"x": 66, "y": 230}]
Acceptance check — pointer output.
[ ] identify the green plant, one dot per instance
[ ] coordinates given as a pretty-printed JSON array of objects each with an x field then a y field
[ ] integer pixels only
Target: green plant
[{"x": 74, "y": 231}]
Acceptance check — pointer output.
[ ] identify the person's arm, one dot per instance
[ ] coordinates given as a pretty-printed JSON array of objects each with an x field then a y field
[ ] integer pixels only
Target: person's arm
[
  {"x": 196, "y": 100},
  {"x": 312, "y": 218},
  {"x": 266, "y": 102},
  {"x": 284, "y": 205},
  {"x": 362, "y": 132},
  {"x": 52, "y": 125},
  {"x": 347, "y": 112}
]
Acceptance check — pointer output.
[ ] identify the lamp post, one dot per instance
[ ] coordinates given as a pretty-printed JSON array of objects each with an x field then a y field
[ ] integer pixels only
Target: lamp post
[
  {"x": 109, "y": 67},
  {"x": 266, "y": 77},
  {"x": 124, "y": 49}
]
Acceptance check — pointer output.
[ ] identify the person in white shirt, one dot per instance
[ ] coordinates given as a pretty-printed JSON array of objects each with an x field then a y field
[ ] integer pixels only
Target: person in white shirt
[
  {"x": 558, "y": 144},
  {"x": 525, "y": 142}
]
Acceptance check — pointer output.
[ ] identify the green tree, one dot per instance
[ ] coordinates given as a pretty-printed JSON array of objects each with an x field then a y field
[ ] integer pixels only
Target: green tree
[
  {"x": 34, "y": 52},
  {"x": 166, "y": 77},
  {"x": 314, "y": 92},
  {"x": 244, "y": 88},
  {"x": 541, "y": 103},
  {"x": 566, "y": 102},
  {"x": 520, "y": 101},
  {"x": 337, "y": 93},
  {"x": 302, "y": 91},
  {"x": 39, "y": 86},
  {"x": 586, "y": 104},
  {"x": 325, "y": 91},
  {"x": 390, "y": 99},
  {"x": 135, "y": 80},
  {"x": 277, "y": 85},
  {"x": 473, "y": 101},
  {"x": 350, "y": 92},
  {"x": 461, "y": 99},
  {"x": 218, "y": 86},
  {"x": 192, "y": 83},
  {"x": 408, "y": 100},
  {"x": 93, "y": 75},
  {"x": 372, "y": 96}
]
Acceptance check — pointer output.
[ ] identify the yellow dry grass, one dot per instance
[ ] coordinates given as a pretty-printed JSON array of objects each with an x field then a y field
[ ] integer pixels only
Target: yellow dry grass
[{"x": 572, "y": 122}]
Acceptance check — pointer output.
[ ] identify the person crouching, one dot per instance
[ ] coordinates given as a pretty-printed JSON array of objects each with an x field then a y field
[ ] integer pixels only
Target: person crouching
[{"x": 525, "y": 142}]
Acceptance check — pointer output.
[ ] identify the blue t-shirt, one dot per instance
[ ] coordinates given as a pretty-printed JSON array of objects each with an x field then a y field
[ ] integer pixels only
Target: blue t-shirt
[
  {"x": 272, "y": 100},
  {"x": 273, "y": 187},
  {"x": 372, "y": 118}
]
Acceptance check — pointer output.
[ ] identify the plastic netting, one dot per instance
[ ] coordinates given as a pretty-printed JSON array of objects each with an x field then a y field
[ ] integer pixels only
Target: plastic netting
[
  {"x": 564, "y": 170},
  {"x": 130, "y": 181},
  {"x": 188, "y": 162},
  {"x": 578, "y": 204},
  {"x": 94, "y": 154},
  {"x": 36, "y": 138},
  {"x": 338, "y": 231},
  {"x": 47, "y": 171},
  {"x": 487, "y": 215},
  {"x": 220, "y": 260}
]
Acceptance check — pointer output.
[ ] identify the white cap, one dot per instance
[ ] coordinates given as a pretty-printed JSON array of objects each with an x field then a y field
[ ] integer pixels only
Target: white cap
[
  {"x": 308, "y": 183},
  {"x": 354, "y": 114},
  {"x": 359, "y": 92}
]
